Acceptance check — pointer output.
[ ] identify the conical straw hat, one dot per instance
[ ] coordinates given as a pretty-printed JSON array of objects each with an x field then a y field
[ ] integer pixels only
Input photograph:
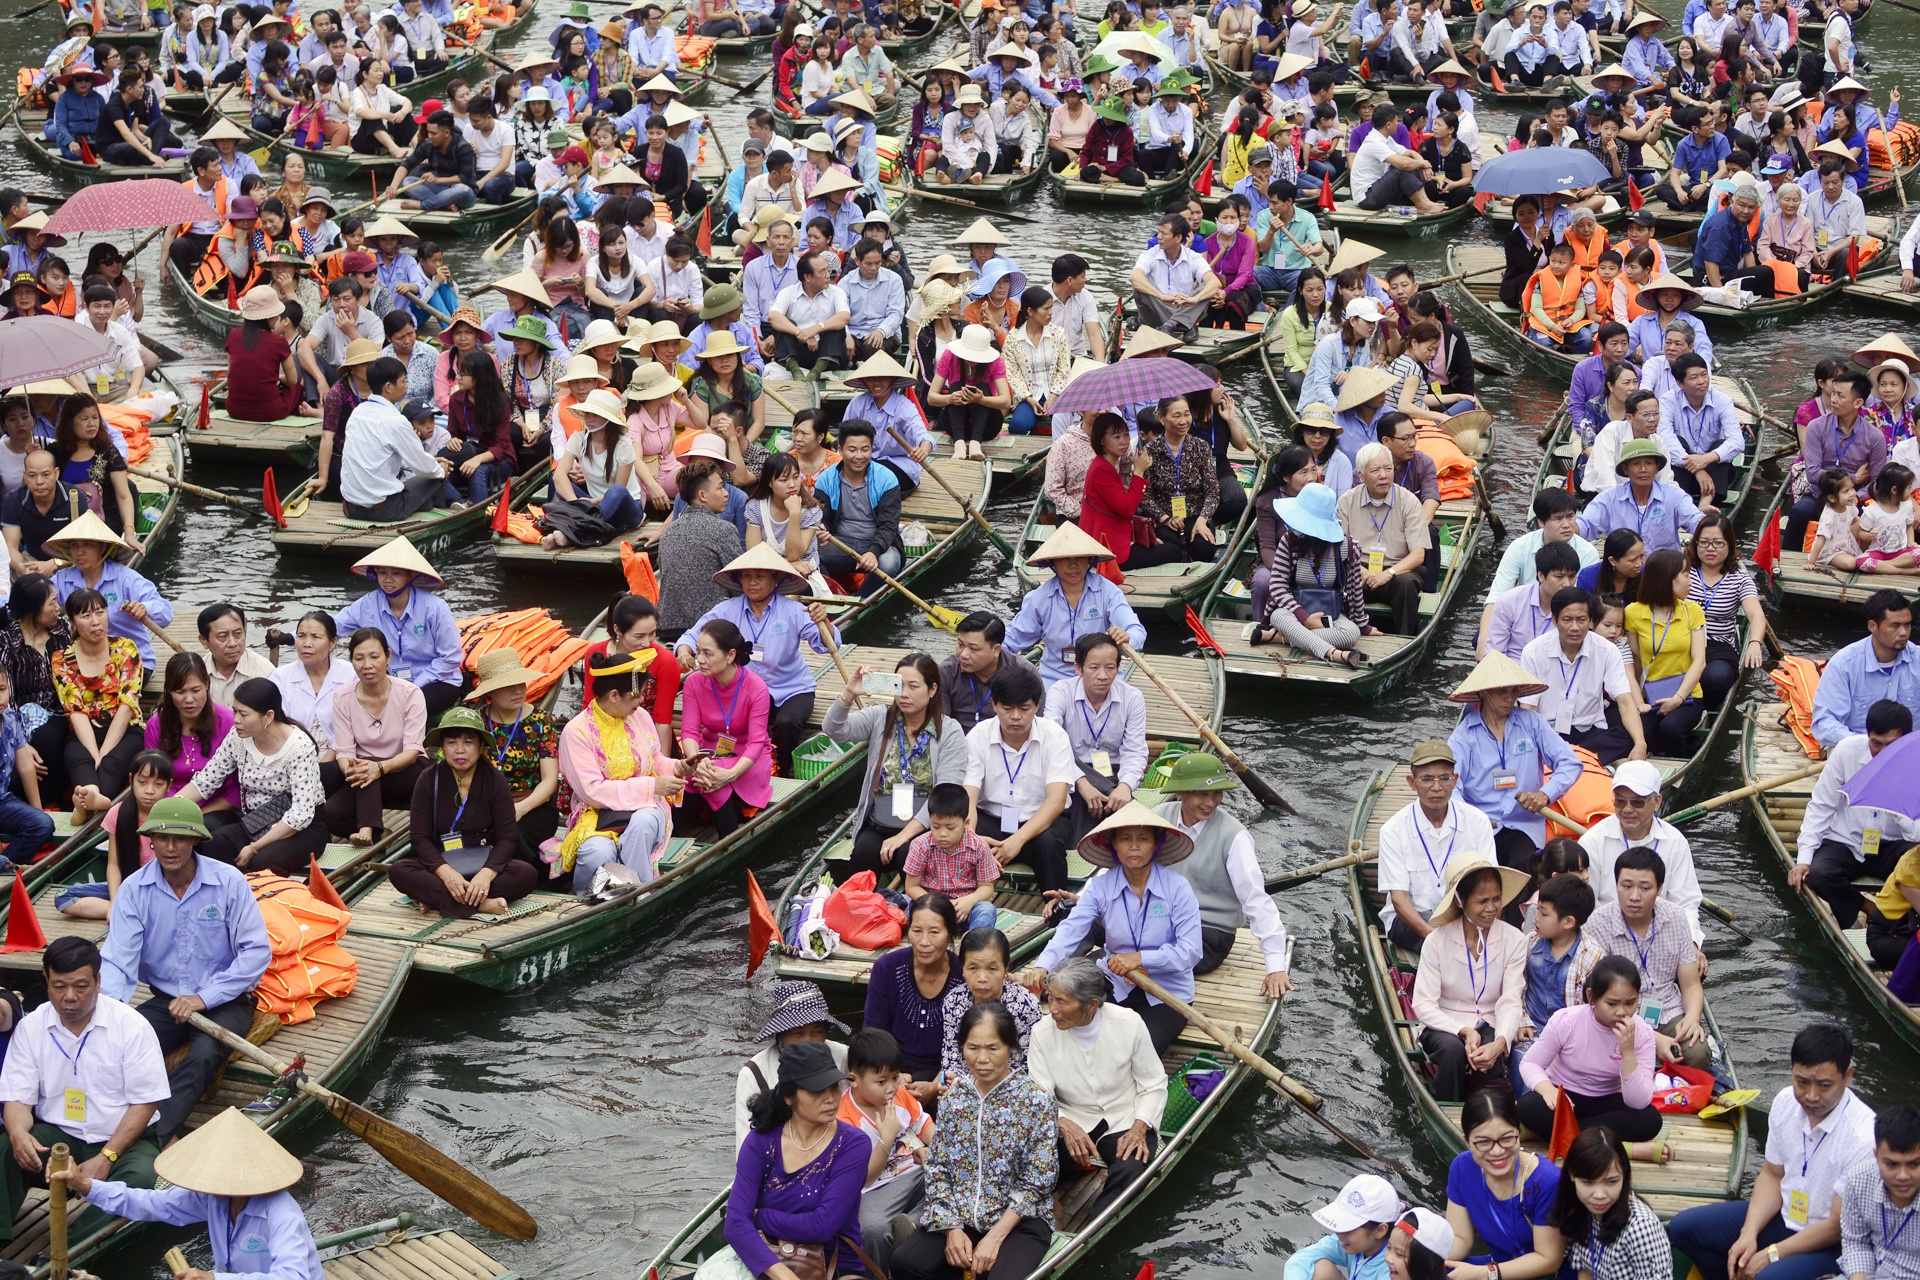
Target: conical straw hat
[
  {"x": 1097, "y": 845},
  {"x": 619, "y": 176},
  {"x": 90, "y": 528},
  {"x": 1362, "y": 385},
  {"x": 1497, "y": 671},
  {"x": 388, "y": 225},
  {"x": 761, "y": 556},
  {"x": 1888, "y": 346},
  {"x": 1660, "y": 284},
  {"x": 228, "y": 1156},
  {"x": 225, "y": 129},
  {"x": 878, "y": 365},
  {"x": 526, "y": 284},
  {"x": 1069, "y": 540},
  {"x": 981, "y": 232},
  {"x": 1353, "y": 253},
  {"x": 398, "y": 554},
  {"x": 1146, "y": 340}
]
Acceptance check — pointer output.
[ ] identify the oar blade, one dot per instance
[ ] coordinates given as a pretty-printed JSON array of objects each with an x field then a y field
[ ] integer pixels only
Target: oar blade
[{"x": 439, "y": 1173}]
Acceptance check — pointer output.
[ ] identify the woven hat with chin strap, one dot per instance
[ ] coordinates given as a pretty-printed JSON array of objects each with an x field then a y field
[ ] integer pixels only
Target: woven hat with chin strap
[
  {"x": 89, "y": 528},
  {"x": 1067, "y": 542},
  {"x": 526, "y": 284},
  {"x": 1171, "y": 843},
  {"x": 1888, "y": 346},
  {"x": 1497, "y": 671},
  {"x": 1353, "y": 253},
  {"x": 388, "y": 225},
  {"x": 399, "y": 554},
  {"x": 1362, "y": 385},
  {"x": 1146, "y": 340},
  {"x": 1461, "y": 865},
  {"x": 760, "y": 556},
  {"x": 229, "y": 1155},
  {"x": 878, "y": 365},
  {"x": 499, "y": 669},
  {"x": 224, "y": 130}
]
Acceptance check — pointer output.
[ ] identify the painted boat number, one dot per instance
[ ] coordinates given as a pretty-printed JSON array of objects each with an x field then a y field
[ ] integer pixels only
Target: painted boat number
[{"x": 540, "y": 967}]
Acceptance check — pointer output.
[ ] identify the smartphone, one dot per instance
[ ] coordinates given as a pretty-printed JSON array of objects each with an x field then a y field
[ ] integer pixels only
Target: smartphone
[{"x": 878, "y": 686}]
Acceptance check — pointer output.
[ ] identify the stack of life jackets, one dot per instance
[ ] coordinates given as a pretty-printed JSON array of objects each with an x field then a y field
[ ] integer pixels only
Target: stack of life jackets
[{"x": 309, "y": 964}]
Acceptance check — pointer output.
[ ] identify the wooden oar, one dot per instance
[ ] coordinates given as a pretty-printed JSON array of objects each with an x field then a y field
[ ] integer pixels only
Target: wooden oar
[
  {"x": 1260, "y": 787},
  {"x": 499, "y": 62},
  {"x": 935, "y": 196},
  {"x": 59, "y": 1160},
  {"x": 967, "y": 508},
  {"x": 945, "y": 619},
  {"x": 1277, "y": 1080},
  {"x": 16, "y": 105},
  {"x": 839, "y": 664},
  {"x": 459, "y": 1186},
  {"x": 498, "y": 249},
  {"x": 200, "y": 491},
  {"x": 752, "y": 84},
  {"x": 1318, "y": 869},
  {"x": 773, "y": 389},
  {"x": 160, "y": 631},
  {"x": 176, "y": 1261},
  {"x": 1741, "y": 793},
  {"x": 1486, "y": 505}
]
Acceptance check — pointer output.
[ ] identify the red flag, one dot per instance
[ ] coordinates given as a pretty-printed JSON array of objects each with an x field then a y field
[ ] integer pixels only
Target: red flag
[
  {"x": 1634, "y": 198},
  {"x": 1326, "y": 191},
  {"x": 1481, "y": 201},
  {"x": 1203, "y": 185},
  {"x": 703, "y": 238},
  {"x": 501, "y": 513},
  {"x": 1566, "y": 1127},
  {"x": 270, "y": 498},
  {"x": 1201, "y": 635},
  {"x": 1146, "y": 1271},
  {"x": 320, "y": 887},
  {"x": 1767, "y": 554},
  {"x": 23, "y": 927},
  {"x": 761, "y": 928},
  {"x": 206, "y": 404},
  {"x": 1853, "y": 260},
  {"x": 1498, "y": 85},
  {"x": 86, "y": 153}
]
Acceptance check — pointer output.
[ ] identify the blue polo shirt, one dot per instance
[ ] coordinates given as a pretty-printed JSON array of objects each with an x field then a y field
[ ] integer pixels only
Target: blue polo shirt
[
  {"x": 1723, "y": 241},
  {"x": 1697, "y": 161}
]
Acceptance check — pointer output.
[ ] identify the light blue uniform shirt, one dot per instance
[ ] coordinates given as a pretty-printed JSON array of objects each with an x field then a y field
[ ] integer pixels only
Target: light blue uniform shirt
[
  {"x": 270, "y": 1237},
  {"x": 1046, "y": 618},
  {"x": 878, "y": 305},
  {"x": 211, "y": 943},
  {"x": 1163, "y": 927},
  {"x": 1651, "y": 341},
  {"x": 844, "y": 220},
  {"x": 121, "y": 585},
  {"x": 1531, "y": 747},
  {"x": 1356, "y": 432},
  {"x": 1712, "y": 428},
  {"x": 1352, "y": 1265},
  {"x": 424, "y": 638},
  {"x": 1853, "y": 681},
  {"x": 775, "y": 637},
  {"x": 1669, "y": 513}
]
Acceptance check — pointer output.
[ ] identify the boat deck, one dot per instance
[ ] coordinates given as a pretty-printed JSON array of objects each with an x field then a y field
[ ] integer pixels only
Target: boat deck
[
  {"x": 1883, "y": 292},
  {"x": 325, "y": 529},
  {"x": 230, "y": 440},
  {"x": 437, "y": 1255}
]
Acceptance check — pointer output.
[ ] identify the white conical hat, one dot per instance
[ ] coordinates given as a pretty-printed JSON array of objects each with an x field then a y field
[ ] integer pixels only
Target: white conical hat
[
  {"x": 229, "y": 1155},
  {"x": 1498, "y": 671},
  {"x": 981, "y": 232},
  {"x": 90, "y": 528},
  {"x": 1070, "y": 540},
  {"x": 1353, "y": 253},
  {"x": 398, "y": 554}
]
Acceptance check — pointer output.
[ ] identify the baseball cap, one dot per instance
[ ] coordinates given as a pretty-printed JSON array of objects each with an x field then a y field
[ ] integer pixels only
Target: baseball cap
[
  {"x": 417, "y": 408},
  {"x": 1637, "y": 776},
  {"x": 1260, "y": 155},
  {"x": 1429, "y": 1229},
  {"x": 754, "y": 145},
  {"x": 1643, "y": 218},
  {"x": 1365, "y": 308},
  {"x": 1777, "y": 164},
  {"x": 1428, "y": 752},
  {"x": 1366, "y": 1198},
  {"x": 359, "y": 262}
]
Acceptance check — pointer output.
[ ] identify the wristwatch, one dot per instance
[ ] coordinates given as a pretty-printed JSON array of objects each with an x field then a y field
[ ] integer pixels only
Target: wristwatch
[
  {"x": 1773, "y": 1253},
  {"x": 113, "y": 1157}
]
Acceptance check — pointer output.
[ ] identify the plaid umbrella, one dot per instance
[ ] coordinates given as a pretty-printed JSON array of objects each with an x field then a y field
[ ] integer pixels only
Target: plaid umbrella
[
  {"x": 36, "y": 347},
  {"x": 1131, "y": 381},
  {"x": 137, "y": 202}
]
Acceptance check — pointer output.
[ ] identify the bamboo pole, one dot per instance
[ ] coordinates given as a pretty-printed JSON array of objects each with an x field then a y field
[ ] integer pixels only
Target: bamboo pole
[{"x": 58, "y": 1161}]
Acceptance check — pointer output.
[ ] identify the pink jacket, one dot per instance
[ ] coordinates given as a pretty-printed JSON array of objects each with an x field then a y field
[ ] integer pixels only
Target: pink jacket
[
  {"x": 703, "y": 718},
  {"x": 584, "y": 766},
  {"x": 652, "y": 430},
  {"x": 1575, "y": 1052}
]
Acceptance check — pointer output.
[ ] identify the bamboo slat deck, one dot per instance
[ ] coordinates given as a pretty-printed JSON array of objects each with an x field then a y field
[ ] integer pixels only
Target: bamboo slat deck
[
  {"x": 480, "y": 219},
  {"x": 1768, "y": 749},
  {"x": 324, "y": 528},
  {"x": 1709, "y": 1157},
  {"x": 1350, "y": 217},
  {"x": 1002, "y": 189},
  {"x": 1795, "y": 580},
  {"x": 1883, "y": 292},
  {"x": 1229, "y": 996},
  {"x": 229, "y": 440},
  {"x": 437, "y": 1255}
]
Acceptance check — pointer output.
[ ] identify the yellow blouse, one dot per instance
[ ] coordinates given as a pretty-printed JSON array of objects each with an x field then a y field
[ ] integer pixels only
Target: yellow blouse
[{"x": 1667, "y": 649}]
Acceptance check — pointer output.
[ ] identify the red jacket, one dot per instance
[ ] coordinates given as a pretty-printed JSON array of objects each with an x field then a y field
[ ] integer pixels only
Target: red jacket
[{"x": 1106, "y": 511}]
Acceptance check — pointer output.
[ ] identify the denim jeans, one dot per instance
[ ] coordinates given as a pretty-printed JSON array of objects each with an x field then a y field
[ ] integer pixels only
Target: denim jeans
[
  {"x": 457, "y": 196},
  {"x": 984, "y": 915},
  {"x": 485, "y": 478},
  {"x": 24, "y": 827},
  {"x": 1706, "y": 1232},
  {"x": 1023, "y": 419},
  {"x": 498, "y": 190},
  {"x": 1275, "y": 279}
]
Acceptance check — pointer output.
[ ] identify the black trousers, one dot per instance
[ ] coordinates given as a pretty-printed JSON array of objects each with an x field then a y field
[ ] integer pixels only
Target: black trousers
[
  {"x": 832, "y": 350},
  {"x": 1128, "y": 174},
  {"x": 866, "y": 846},
  {"x": 1722, "y": 673},
  {"x": 440, "y": 696},
  {"x": 923, "y": 1255},
  {"x": 350, "y": 808},
  {"x": 412, "y": 877},
  {"x": 1632, "y": 1124},
  {"x": 1887, "y": 940},
  {"x": 1080, "y": 819},
  {"x": 970, "y": 422},
  {"x": 1045, "y": 853},
  {"x": 1402, "y": 598},
  {"x": 788, "y": 729},
  {"x": 1121, "y": 1174},
  {"x": 1671, "y": 734},
  {"x": 1836, "y": 867},
  {"x": 1216, "y": 945},
  {"x": 288, "y": 857},
  {"x": 726, "y": 817},
  {"x": 401, "y": 131},
  {"x": 539, "y": 825},
  {"x": 1404, "y": 938},
  {"x": 417, "y": 493},
  {"x": 1609, "y": 741},
  {"x": 186, "y": 251},
  {"x": 1164, "y": 1022},
  {"x": 1721, "y": 473},
  {"x": 110, "y": 773},
  {"x": 1515, "y": 848},
  {"x": 188, "y": 1081},
  {"x": 1448, "y": 1054}
]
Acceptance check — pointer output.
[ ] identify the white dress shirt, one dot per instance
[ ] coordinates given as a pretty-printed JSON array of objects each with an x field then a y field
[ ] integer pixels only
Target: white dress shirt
[
  {"x": 1249, "y": 885},
  {"x": 1577, "y": 691},
  {"x": 302, "y": 706},
  {"x": 1604, "y": 844},
  {"x": 381, "y": 452},
  {"x": 1012, "y": 785},
  {"x": 1119, "y": 728},
  {"x": 114, "y": 1064},
  {"x": 1830, "y": 817},
  {"x": 1414, "y": 853},
  {"x": 802, "y": 309},
  {"x": 1816, "y": 1159},
  {"x": 761, "y": 282},
  {"x": 1183, "y": 274},
  {"x": 1714, "y": 427},
  {"x": 671, "y": 284}
]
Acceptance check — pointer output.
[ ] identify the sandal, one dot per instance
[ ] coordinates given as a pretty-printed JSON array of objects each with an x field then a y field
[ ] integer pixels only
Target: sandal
[
  {"x": 1657, "y": 1151},
  {"x": 1255, "y": 634},
  {"x": 1350, "y": 658}
]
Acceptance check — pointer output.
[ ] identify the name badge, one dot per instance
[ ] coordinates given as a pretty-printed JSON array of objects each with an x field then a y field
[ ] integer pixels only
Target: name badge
[
  {"x": 1508, "y": 781},
  {"x": 405, "y": 673},
  {"x": 1797, "y": 1206},
  {"x": 1179, "y": 508},
  {"x": 1069, "y": 656},
  {"x": 101, "y": 382},
  {"x": 1820, "y": 239},
  {"x": 1651, "y": 1012},
  {"x": 77, "y": 1106},
  {"x": 757, "y": 655},
  {"x": 1103, "y": 763},
  {"x": 902, "y": 801},
  {"x": 723, "y": 745},
  {"x": 1113, "y": 154},
  {"x": 452, "y": 841},
  {"x": 1870, "y": 842},
  {"x": 1376, "y": 561}
]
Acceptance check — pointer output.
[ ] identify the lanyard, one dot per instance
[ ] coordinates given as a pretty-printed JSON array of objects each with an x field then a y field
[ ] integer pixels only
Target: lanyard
[
  {"x": 1641, "y": 513},
  {"x": 1379, "y": 540},
  {"x": 455, "y": 824},
  {"x": 1646, "y": 956},
  {"x": 501, "y": 759},
  {"x": 908, "y": 757},
  {"x": 1890, "y": 1235},
  {"x": 73, "y": 1059},
  {"x": 1500, "y": 743},
  {"x": 1711, "y": 593},
  {"x": 1419, "y": 829},
  {"x": 1692, "y": 418},
  {"x": 1486, "y": 967},
  {"x": 980, "y": 700},
  {"x": 1596, "y": 1252},
  {"x": 1012, "y": 771},
  {"x": 1137, "y": 930},
  {"x": 1566, "y": 693},
  {"x": 1178, "y": 455},
  {"x": 1660, "y": 641},
  {"x": 1807, "y": 1157},
  {"x": 726, "y": 726},
  {"x": 765, "y": 618},
  {"x": 1105, "y": 716}
]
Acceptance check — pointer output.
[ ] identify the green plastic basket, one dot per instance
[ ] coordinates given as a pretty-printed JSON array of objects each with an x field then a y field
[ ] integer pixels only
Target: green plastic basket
[
  {"x": 815, "y": 756},
  {"x": 147, "y": 513},
  {"x": 1181, "y": 1104},
  {"x": 1162, "y": 766}
]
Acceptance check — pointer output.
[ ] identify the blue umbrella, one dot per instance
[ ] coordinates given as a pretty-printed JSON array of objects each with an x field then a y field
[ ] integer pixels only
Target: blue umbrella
[
  {"x": 1886, "y": 781},
  {"x": 1536, "y": 171}
]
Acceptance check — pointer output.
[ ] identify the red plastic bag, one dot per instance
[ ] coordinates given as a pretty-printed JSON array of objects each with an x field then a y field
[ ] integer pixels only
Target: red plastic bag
[
  {"x": 1683, "y": 1102},
  {"x": 863, "y": 918}
]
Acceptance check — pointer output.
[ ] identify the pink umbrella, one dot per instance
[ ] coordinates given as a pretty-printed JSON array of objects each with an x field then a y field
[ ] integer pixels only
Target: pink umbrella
[
  {"x": 137, "y": 202},
  {"x": 36, "y": 347}
]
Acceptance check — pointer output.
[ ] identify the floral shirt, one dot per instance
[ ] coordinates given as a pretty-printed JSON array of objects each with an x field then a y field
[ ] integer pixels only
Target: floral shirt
[
  {"x": 97, "y": 697},
  {"x": 1193, "y": 476},
  {"x": 29, "y": 671},
  {"x": 520, "y": 747},
  {"x": 1020, "y": 1003},
  {"x": 1897, "y": 424},
  {"x": 992, "y": 1154}
]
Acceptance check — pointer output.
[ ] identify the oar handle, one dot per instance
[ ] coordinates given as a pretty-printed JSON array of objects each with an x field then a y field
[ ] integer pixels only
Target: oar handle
[
  {"x": 499, "y": 62},
  {"x": 887, "y": 578},
  {"x": 1331, "y": 864},
  {"x": 160, "y": 631},
  {"x": 1255, "y": 783},
  {"x": 188, "y": 486},
  {"x": 248, "y": 1049},
  {"x": 1563, "y": 820},
  {"x": 1741, "y": 793},
  {"x": 839, "y": 664},
  {"x": 1232, "y": 1044},
  {"x": 966, "y": 508}
]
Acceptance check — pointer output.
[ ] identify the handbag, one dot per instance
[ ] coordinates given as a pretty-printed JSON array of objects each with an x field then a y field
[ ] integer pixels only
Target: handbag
[
  {"x": 468, "y": 860},
  {"x": 1665, "y": 687},
  {"x": 1318, "y": 600}
]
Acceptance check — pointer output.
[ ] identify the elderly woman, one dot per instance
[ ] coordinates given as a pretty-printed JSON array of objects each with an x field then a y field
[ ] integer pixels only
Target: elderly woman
[
  {"x": 1501, "y": 1197},
  {"x": 1149, "y": 912},
  {"x": 417, "y": 624},
  {"x": 800, "y": 1017},
  {"x": 911, "y": 749},
  {"x": 281, "y": 827},
  {"x": 991, "y": 1173},
  {"x": 525, "y": 743},
  {"x": 986, "y": 974},
  {"x": 1316, "y": 584},
  {"x": 1070, "y": 604},
  {"x": 1512, "y": 764},
  {"x": 616, "y": 772},
  {"x": 1787, "y": 234},
  {"x": 468, "y": 853},
  {"x": 798, "y": 1176},
  {"x": 1470, "y": 990},
  {"x": 1099, "y": 1065}
]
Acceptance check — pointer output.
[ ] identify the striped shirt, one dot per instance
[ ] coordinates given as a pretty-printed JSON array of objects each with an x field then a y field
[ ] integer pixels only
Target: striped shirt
[{"x": 1722, "y": 602}]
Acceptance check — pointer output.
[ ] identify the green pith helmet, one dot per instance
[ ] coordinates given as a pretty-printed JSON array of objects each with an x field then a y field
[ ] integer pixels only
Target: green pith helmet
[
  {"x": 1198, "y": 771},
  {"x": 175, "y": 816}
]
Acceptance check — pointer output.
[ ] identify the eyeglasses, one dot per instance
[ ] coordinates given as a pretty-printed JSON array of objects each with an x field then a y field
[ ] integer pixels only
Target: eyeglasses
[
  {"x": 1433, "y": 779},
  {"x": 1634, "y": 801},
  {"x": 1485, "y": 1146}
]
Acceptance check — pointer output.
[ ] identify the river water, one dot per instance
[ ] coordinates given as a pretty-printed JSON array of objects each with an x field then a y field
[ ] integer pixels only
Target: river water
[{"x": 602, "y": 1101}]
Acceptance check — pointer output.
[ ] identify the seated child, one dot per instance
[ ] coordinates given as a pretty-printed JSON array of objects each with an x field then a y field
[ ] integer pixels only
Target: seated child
[
  {"x": 952, "y": 860},
  {"x": 877, "y": 1103},
  {"x": 1559, "y": 957},
  {"x": 1834, "y": 541},
  {"x": 150, "y": 776},
  {"x": 23, "y": 824},
  {"x": 1361, "y": 1217}
]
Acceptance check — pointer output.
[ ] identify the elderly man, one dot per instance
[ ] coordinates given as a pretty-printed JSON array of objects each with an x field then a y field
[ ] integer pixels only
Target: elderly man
[
  {"x": 189, "y": 928},
  {"x": 99, "y": 1104},
  {"x": 1725, "y": 254},
  {"x": 1841, "y": 842},
  {"x": 809, "y": 318},
  {"x": 1636, "y": 824},
  {"x": 1096, "y": 1060},
  {"x": 1642, "y": 422},
  {"x": 1434, "y": 828},
  {"x": 1389, "y": 525},
  {"x": 1641, "y": 925},
  {"x": 1839, "y": 219},
  {"x": 1703, "y": 429},
  {"x": 1172, "y": 285},
  {"x": 1883, "y": 665},
  {"x": 1224, "y": 870}
]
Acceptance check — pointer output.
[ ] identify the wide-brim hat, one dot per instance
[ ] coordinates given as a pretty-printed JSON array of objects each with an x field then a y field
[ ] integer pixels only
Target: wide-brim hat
[
  {"x": 1070, "y": 541},
  {"x": 1846, "y": 84},
  {"x": 1497, "y": 671},
  {"x": 720, "y": 342},
  {"x": 388, "y": 225},
  {"x": 981, "y": 231},
  {"x": 1888, "y": 346},
  {"x": 1199, "y": 771},
  {"x": 678, "y": 112},
  {"x": 800, "y": 1005},
  {"x": 360, "y": 351},
  {"x": 1353, "y": 253},
  {"x": 471, "y": 319},
  {"x": 1892, "y": 366},
  {"x": 1612, "y": 71},
  {"x": 999, "y": 269},
  {"x": 975, "y": 345},
  {"x": 261, "y": 303},
  {"x": 1788, "y": 97},
  {"x": 583, "y": 366},
  {"x": 37, "y": 221},
  {"x": 660, "y": 84},
  {"x": 224, "y": 129},
  {"x": 1313, "y": 512},
  {"x": 844, "y": 127},
  {"x": 498, "y": 669},
  {"x": 286, "y": 254},
  {"x": 877, "y": 218},
  {"x": 833, "y": 183},
  {"x": 599, "y": 333},
  {"x": 619, "y": 175},
  {"x": 969, "y": 95},
  {"x": 93, "y": 76},
  {"x": 534, "y": 59},
  {"x": 1450, "y": 67},
  {"x": 1362, "y": 385},
  {"x": 398, "y": 554},
  {"x": 877, "y": 365},
  {"x": 1461, "y": 865},
  {"x": 666, "y": 331},
  {"x": 614, "y": 29},
  {"x": 1317, "y": 415},
  {"x": 1291, "y": 65},
  {"x": 1168, "y": 89},
  {"x": 766, "y": 218},
  {"x": 650, "y": 381},
  {"x": 1112, "y": 110},
  {"x": 89, "y": 528},
  {"x": 462, "y": 719},
  {"x": 532, "y": 328},
  {"x": 526, "y": 284},
  {"x": 817, "y": 141},
  {"x": 1642, "y": 18},
  {"x": 945, "y": 264},
  {"x": 1660, "y": 284},
  {"x": 1835, "y": 147},
  {"x": 1146, "y": 340},
  {"x": 320, "y": 196},
  {"x": 601, "y": 402},
  {"x": 1173, "y": 845},
  {"x": 858, "y": 99},
  {"x": 229, "y": 1155},
  {"x": 260, "y": 26},
  {"x": 759, "y": 556},
  {"x": 1099, "y": 64}
]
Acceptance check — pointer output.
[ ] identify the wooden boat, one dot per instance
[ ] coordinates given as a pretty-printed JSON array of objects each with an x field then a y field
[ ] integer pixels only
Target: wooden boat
[
  {"x": 1210, "y": 345},
  {"x": 1883, "y": 293},
  {"x": 797, "y": 125},
  {"x": 1155, "y": 194},
  {"x": 1398, "y": 220},
  {"x": 345, "y": 168},
  {"x": 482, "y": 219},
  {"x": 212, "y": 314},
  {"x": 117, "y": 38},
  {"x": 1709, "y": 1157},
  {"x": 156, "y": 503},
  {"x": 1228, "y": 996},
  {"x": 1163, "y": 590},
  {"x": 1768, "y": 749},
  {"x": 230, "y": 441},
  {"x": 1003, "y": 189},
  {"x": 397, "y": 1254},
  {"x": 912, "y": 46},
  {"x": 51, "y": 161},
  {"x": 194, "y": 107},
  {"x": 325, "y": 529},
  {"x": 1796, "y": 581}
]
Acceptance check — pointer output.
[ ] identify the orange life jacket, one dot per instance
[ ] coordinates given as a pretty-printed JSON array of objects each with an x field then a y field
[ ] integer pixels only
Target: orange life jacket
[
  {"x": 309, "y": 964},
  {"x": 67, "y": 304},
  {"x": 1587, "y": 257},
  {"x": 1634, "y": 309},
  {"x": 1603, "y": 291},
  {"x": 1590, "y": 799},
  {"x": 1797, "y": 679},
  {"x": 219, "y": 201},
  {"x": 212, "y": 272},
  {"x": 1558, "y": 297}
]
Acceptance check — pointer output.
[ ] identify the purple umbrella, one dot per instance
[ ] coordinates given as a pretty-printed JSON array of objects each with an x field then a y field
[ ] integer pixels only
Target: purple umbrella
[
  {"x": 1886, "y": 781},
  {"x": 1131, "y": 381},
  {"x": 36, "y": 347}
]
